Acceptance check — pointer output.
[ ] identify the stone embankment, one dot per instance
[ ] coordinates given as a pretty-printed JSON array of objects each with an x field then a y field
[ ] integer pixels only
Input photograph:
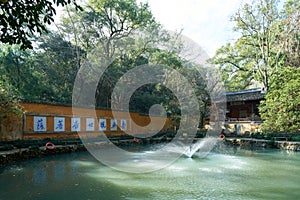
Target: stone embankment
[
  {"x": 19, "y": 154},
  {"x": 23, "y": 150},
  {"x": 262, "y": 143},
  {"x": 14, "y": 151}
]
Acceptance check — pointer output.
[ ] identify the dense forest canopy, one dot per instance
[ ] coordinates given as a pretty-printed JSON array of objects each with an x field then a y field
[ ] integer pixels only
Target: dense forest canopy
[{"x": 46, "y": 70}]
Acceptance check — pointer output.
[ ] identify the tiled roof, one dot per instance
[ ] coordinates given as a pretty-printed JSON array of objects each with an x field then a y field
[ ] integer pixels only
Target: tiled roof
[{"x": 245, "y": 95}]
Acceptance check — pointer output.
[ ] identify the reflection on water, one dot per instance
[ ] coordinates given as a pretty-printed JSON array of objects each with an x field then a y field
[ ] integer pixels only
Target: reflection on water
[
  {"x": 39, "y": 176},
  {"x": 232, "y": 174}
]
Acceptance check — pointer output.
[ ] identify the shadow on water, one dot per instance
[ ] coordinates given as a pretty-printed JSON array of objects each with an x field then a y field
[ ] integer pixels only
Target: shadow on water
[{"x": 72, "y": 176}]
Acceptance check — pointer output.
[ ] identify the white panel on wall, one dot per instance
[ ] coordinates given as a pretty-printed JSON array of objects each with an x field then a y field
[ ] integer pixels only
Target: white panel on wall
[
  {"x": 102, "y": 124},
  {"x": 113, "y": 124},
  {"x": 59, "y": 124},
  {"x": 90, "y": 124},
  {"x": 123, "y": 125},
  {"x": 40, "y": 123},
  {"x": 75, "y": 124}
]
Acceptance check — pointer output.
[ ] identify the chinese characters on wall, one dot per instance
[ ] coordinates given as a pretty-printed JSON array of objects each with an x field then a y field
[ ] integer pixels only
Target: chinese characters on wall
[
  {"x": 102, "y": 124},
  {"x": 90, "y": 124},
  {"x": 113, "y": 124},
  {"x": 123, "y": 125},
  {"x": 39, "y": 123},
  {"x": 75, "y": 124},
  {"x": 59, "y": 124}
]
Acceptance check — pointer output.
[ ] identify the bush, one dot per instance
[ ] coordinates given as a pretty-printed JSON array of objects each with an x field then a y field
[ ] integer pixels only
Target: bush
[
  {"x": 280, "y": 110},
  {"x": 257, "y": 135},
  {"x": 295, "y": 137}
]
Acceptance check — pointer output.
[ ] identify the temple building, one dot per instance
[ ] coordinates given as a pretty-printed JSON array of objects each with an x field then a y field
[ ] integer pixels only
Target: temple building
[
  {"x": 243, "y": 105},
  {"x": 242, "y": 112}
]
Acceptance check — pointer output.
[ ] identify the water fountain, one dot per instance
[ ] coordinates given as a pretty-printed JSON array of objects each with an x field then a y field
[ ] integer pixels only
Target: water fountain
[{"x": 202, "y": 146}]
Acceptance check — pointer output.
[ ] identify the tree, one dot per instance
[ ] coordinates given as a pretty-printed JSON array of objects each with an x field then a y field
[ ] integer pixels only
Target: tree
[
  {"x": 56, "y": 61},
  {"x": 267, "y": 52},
  {"x": 289, "y": 37},
  {"x": 12, "y": 64},
  {"x": 280, "y": 110},
  {"x": 104, "y": 23},
  {"x": 20, "y": 19},
  {"x": 255, "y": 55},
  {"x": 44, "y": 74},
  {"x": 122, "y": 31},
  {"x": 17, "y": 70},
  {"x": 236, "y": 63}
]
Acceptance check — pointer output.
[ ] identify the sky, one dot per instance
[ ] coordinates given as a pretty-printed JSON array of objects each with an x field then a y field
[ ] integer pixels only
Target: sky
[{"x": 204, "y": 21}]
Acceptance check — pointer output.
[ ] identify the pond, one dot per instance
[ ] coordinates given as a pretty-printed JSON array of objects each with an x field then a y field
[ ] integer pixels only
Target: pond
[{"x": 230, "y": 174}]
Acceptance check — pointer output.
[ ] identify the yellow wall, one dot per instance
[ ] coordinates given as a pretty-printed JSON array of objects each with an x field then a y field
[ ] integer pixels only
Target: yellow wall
[{"x": 50, "y": 111}]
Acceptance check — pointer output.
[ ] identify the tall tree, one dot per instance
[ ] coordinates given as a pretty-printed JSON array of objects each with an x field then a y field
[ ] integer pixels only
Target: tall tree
[
  {"x": 269, "y": 40},
  {"x": 127, "y": 29},
  {"x": 118, "y": 27},
  {"x": 104, "y": 23},
  {"x": 289, "y": 37},
  {"x": 56, "y": 59}
]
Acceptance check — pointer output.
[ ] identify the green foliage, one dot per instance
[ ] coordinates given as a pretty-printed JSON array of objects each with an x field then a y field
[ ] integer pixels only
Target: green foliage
[
  {"x": 290, "y": 32},
  {"x": 47, "y": 72},
  {"x": 236, "y": 65},
  {"x": 269, "y": 42},
  {"x": 269, "y": 39},
  {"x": 124, "y": 26},
  {"x": 257, "y": 135},
  {"x": 295, "y": 137},
  {"x": 281, "y": 108},
  {"x": 106, "y": 23},
  {"x": 15, "y": 67},
  {"x": 20, "y": 19},
  {"x": 43, "y": 75},
  {"x": 8, "y": 100},
  {"x": 55, "y": 68}
]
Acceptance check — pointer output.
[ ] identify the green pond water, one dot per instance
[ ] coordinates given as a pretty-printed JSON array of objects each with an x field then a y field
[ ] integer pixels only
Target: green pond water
[{"x": 229, "y": 174}]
